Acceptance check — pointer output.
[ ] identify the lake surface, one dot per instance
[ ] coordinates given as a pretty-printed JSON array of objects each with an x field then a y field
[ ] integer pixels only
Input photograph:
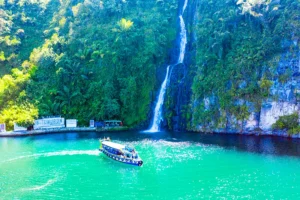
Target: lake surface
[{"x": 176, "y": 166}]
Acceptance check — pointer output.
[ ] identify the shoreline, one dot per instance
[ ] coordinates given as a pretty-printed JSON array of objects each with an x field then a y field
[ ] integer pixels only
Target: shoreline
[
  {"x": 59, "y": 130},
  {"x": 280, "y": 134},
  {"x": 46, "y": 131}
]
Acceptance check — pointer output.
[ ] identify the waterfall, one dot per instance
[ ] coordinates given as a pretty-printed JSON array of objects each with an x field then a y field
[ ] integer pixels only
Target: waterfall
[
  {"x": 183, "y": 37},
  {"x": 184, "y": 6},
  {"x": 158, "y": 115},
  {"x": 183, "y": 40},
  {"x": 157, "y": 118}
]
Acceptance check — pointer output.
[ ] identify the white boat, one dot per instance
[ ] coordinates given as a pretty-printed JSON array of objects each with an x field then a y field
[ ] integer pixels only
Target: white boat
[{"x": 121, "y": 153}]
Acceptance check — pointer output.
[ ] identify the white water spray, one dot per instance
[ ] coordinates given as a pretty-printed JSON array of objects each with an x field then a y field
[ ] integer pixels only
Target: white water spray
[
  {"x": 58, "y": 153},
  {"x": 184, "y": 6},
  {"x": 157, "y": 117},
  {"x": 183, "y": 40},
  {"x": 183, "y": 37},
  {"x": 39, "y": 187}
]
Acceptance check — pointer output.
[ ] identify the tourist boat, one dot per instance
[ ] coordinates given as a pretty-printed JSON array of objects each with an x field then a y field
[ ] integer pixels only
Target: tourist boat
[{"x": 119, "y": 152}]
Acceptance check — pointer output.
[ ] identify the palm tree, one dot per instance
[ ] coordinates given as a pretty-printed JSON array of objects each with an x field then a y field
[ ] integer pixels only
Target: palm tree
[
  {"x": 66, "y": 96},
  {"x": 50, "y": 108}
]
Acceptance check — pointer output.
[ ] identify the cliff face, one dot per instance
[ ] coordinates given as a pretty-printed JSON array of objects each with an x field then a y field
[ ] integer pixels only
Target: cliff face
[
  {"x": 285, "y": 92},
  {"x": 179, "y": 93},
  {"x": 100, "y": 60},
  {"x": 283, "y": 98},
  {"x": 243, "y": 65}
]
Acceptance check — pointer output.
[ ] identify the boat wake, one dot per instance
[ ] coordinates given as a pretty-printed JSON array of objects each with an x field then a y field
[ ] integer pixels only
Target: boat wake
[
  {"x": 172, "y": 152},
  {"x": 57, "y": 153},
  {"x": 49, "y": 182}
]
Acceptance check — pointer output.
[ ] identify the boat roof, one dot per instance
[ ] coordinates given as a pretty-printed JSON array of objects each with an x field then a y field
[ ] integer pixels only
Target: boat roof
[{"x": 114, "y": 145}]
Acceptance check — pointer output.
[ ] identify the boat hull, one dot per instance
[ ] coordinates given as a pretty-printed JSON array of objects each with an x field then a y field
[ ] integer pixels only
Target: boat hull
[{"x": 122, "y": 160}]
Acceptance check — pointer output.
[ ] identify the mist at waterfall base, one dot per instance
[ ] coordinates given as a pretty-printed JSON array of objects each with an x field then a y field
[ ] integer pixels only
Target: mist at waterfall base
[
  {"x": 158, "y": 111},
  {"x": 176, "y": 166}
]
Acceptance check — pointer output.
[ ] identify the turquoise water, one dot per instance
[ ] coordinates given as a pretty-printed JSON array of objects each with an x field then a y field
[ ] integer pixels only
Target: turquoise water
[{"x": 176, "y": 166}]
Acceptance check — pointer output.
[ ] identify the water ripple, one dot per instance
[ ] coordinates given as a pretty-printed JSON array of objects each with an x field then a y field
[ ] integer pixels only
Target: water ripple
[
  {"x": 49, "y": 182},
  {"x": 57, "y": 153}
]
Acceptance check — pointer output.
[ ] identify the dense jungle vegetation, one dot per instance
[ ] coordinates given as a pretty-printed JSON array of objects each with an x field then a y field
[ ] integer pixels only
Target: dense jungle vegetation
[
  {"x": 83, "y": 59},
  {"x": 98, "y": 59},
  {"x": 238, "y": 49}
]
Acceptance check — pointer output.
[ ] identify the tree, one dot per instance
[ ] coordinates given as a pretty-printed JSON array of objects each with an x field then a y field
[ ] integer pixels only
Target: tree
[
  {"x": 125, "y": 25},
  {"x": 66, "y": 97},
  {"x": 24, "y": 115},
  {"x": 251, "y": 6}
]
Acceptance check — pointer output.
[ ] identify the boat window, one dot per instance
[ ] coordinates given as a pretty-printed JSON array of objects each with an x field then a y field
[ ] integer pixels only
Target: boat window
[
  {"x": 128, "y": 155},
  {"x": 130, "y": 149}
]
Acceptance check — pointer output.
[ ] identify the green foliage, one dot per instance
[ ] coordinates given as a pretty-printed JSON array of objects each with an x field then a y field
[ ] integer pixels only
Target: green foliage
[
  {"x": 85, "y": 59},
  {"x": 62, "y": 22},
  {"x": 265, "y": 86},
  {"x": 288, "y": 122},
  {"x": 284, "y": 77},
  {"x": 98, "y": 60},
  {"x": 22, "y": 26},
  {"x": 11, "y": 87},
  {"x": 254, "y": 6},
  {"x": 124, "y": 24},
  {"x": 11, "y": 41},
  {"x": 237, "y": 49},
  {"x": 75, "y": 9},
  {"x": 293, "y": 131},
  {"x": 24, "y": 115},
  {"x": 2, "y": 56}
]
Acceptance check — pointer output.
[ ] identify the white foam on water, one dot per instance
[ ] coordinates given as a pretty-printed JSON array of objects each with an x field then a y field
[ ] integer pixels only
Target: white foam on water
[
  {"x": 39, "y": 187},
  {"x": 166, "y": 143},
  {"x": 58, "y": 153},
  {"x": 173, "y": 151}
]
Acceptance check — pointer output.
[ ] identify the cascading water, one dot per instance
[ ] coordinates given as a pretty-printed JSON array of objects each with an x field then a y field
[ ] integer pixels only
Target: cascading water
[
  {"x": 183, "y": 40},
  {"x": 157, "y": 117}
]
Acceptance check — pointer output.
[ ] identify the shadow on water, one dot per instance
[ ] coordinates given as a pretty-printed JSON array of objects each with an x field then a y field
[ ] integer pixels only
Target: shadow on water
[{"x": 255, "y": 144}]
